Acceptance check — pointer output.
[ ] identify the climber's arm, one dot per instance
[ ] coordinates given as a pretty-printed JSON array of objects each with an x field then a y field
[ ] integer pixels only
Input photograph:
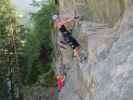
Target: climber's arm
[
  {"x": 68, "y": 21},
  {"x": 75, "y": 19}
]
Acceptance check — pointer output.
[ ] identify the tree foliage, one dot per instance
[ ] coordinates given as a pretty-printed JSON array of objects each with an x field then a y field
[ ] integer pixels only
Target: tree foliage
[
  {"x": 25, "y": 57},
  {"x": 8, "y": 48},
  {"x": 39, "y": 46}
]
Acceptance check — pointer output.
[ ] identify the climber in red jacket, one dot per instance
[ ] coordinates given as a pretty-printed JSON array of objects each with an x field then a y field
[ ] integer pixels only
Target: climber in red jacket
[
  {"x": 68, "y": 38},
  {"x": 60, "y": 81}
]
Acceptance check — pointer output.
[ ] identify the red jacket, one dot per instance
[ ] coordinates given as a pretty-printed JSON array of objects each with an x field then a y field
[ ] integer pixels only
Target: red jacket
[{"x": 59, "y": 84}]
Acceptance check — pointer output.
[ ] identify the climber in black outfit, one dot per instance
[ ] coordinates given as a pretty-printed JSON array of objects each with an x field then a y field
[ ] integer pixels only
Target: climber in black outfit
[{"x": 68, "y": 38}]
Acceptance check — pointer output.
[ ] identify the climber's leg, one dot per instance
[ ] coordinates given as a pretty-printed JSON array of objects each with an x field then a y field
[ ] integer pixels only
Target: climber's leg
[
  {"x": 75, "y": 46},
  {"x": 63, "y": 42},
  {"x": 62, "y": 45},
  {"x": 77, "y": 52}
]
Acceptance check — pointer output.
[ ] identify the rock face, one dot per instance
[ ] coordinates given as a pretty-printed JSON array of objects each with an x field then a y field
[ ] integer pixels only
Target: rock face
[
  {"x": 108, "y": 72},
  {"x": 114, "y": 72},
  {"x": 103, "y": 11}
]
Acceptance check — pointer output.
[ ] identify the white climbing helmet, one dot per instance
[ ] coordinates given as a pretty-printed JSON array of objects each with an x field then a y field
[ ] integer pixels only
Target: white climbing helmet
[{"x": 54, "y": 17}]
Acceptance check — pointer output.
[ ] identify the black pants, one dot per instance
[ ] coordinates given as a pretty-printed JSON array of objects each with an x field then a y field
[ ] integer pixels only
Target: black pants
[
  {"x": 73, "y": 42},
  {"x": 69, "y": 38}
]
